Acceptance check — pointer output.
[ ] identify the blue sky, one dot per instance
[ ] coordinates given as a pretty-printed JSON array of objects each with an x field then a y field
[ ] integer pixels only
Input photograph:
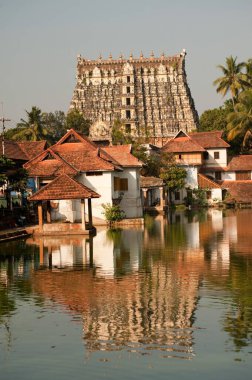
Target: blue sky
[{"x": 39, "y": 42}]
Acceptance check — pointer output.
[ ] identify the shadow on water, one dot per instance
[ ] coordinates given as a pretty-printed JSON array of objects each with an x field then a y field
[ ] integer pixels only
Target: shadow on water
[{"x": 139, "y": 289}]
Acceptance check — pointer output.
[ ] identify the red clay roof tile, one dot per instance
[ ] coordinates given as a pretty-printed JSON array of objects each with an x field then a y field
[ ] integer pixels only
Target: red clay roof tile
[
  {"x": 211, "y": 139},
  {"x": 63, "y": 187},
  {"x": 49, "y": 164},
  {"x": 12, "y": 150},
  {"x": 207, "y": 183},
  {"x": 32, "y": 148},
  {"x": 240, "y": 191},
  {"x": 182, "y": 145},
  {"x": 243, "y": 162},
  {"x": 22, "y": 150},
  {"x": 122, "y": 154}
]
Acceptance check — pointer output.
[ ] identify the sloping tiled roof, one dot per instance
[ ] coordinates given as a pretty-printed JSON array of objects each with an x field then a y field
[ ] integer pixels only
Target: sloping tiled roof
[
  {"x": 76, "y": 155},
  {"x": 49, "y": 164},
  {"x": 151, "y": 182},
  {"x": 12, "y": 150},
  {"x": 207, "y": 183},
  {"x": 240, "y": 191},
  {"x": 182, "y": 145},
  {"x": 243, "y": 162},
  {"x": 63, "y": 187},
  {"x": 210, "y": 139},
  {"x": 32, "y": 148},
  {"x": 122, "y": 155},
  {"x": 72, "y": 135},
  {"x": 87, "y": 160},
  {"x": 22, "y": 150}
]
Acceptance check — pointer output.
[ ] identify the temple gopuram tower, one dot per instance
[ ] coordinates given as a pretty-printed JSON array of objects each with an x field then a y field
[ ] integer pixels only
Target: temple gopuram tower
[{"x": 147, "y": 95}]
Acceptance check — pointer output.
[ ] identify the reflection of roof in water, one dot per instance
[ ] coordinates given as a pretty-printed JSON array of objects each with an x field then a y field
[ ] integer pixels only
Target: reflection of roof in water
[{"x": 153, "y": 310}]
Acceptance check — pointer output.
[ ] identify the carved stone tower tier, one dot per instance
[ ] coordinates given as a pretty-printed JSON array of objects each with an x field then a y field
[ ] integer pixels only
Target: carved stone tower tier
[{"x": 147, "y": 95}]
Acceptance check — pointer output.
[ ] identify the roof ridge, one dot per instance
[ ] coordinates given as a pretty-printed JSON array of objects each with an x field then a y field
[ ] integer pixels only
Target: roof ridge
[
  {"x": 66, "y": 162},
  {"x": 80, "y": 137},
  {"x": 32, "y": 160},
  {"x": 20, "y": 147}
]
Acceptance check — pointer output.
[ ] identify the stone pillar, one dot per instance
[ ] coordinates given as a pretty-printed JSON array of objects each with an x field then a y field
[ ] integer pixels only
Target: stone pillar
[
  {"x": 83, "y": 222},
  {"x": 166, "y": 196},
  {"x": 40, "y": 216},
  {"x": 90, "y": 221},
  {"x": 161, "y": 192},
  {"x": 48, "y": 212},
  {"x": 145, "y": 197}
]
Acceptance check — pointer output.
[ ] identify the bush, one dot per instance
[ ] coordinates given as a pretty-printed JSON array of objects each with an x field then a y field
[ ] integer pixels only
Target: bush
[
  {"x": 113, "y": 213},
  {"x": 196, "y": 197}
]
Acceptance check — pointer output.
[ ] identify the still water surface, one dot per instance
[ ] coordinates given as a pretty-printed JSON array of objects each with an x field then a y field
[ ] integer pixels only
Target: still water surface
[{"x": 172, "y": 300}]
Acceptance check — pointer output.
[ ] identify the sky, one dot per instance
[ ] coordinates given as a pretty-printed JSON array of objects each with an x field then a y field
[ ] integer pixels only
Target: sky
[{"x": 40, "y": 40}]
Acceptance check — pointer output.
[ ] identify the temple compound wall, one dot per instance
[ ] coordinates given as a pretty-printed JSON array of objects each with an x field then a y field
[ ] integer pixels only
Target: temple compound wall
[{"x": 146, "y": 95}]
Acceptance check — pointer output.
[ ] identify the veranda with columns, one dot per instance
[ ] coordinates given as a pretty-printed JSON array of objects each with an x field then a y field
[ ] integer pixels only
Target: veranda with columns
[{"x": 64, "y": 188}]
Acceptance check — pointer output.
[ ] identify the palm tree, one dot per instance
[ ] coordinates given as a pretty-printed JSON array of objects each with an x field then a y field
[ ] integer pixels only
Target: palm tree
[
  {"x": 240, "y": 121},
  {"x": 33, "y": 129},
  {"x": 248, "y": 74},
  {"x": 233, "y": 79}
]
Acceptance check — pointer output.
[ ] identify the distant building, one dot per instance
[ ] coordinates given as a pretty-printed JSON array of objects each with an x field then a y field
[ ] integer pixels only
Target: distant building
[
  {"x": 147, "y": 95},
  {"x": 204, "y": 157}
]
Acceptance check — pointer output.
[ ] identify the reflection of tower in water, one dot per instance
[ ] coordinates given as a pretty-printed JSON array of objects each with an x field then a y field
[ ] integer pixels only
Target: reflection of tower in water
[
  {"x": 157, "y": 313},
  {"x": 144, "y": 301}
]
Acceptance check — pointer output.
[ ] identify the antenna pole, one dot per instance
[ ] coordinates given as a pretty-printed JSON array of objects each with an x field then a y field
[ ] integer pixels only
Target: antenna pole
[{"x": 3, "y": 120}]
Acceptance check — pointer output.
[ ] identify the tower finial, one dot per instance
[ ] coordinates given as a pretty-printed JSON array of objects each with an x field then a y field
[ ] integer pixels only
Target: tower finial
[
  {"x": 141, "y": 55},
  {"x": 152, "y": 54},
  {"x": 110, "y": 56},
  {"x": 183, "y": 53}
]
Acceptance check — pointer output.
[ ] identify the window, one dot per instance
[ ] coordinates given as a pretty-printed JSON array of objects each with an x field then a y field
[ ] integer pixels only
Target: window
[
  {"x": 209, "y": 194},
  {"x": 177, "y": 195},
  {"x": 206, "y": 155},
  {"x": 128, "y": 101},
  {"x": 120, "y": 184},
  {"x": 180, "y": 156},
  {"x": 128, "y": 79},
  {"x": 218, "y": 176},
  {"x": 128, "y": 90},
  {"x": 89, "y": 174},
  {"x": 128, "y": 114},
  {"x": 127, "y": 128},
  {"x": 216, "y": 155}
]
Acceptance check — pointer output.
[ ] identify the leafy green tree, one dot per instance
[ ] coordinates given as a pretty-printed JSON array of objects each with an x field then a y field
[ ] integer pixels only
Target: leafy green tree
[
  {"x": 173, "y": 175},
  {"x": 75, "y": 120},
  {"x": 248, "y": 74},
  {"x": 55, "y": 124},
  {"x": 240, "y": 121},
  {"x": 5, "y": 166},
  {"x": 233, "y": 80},
  {"x": 15, "y": 179},
  {"x": 216, "y": 118},
  {"x": 32, "y": 129}
]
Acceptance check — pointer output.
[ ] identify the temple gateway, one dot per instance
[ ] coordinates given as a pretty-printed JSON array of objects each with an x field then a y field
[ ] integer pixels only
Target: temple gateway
[{"x": 146, "y": 95}]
